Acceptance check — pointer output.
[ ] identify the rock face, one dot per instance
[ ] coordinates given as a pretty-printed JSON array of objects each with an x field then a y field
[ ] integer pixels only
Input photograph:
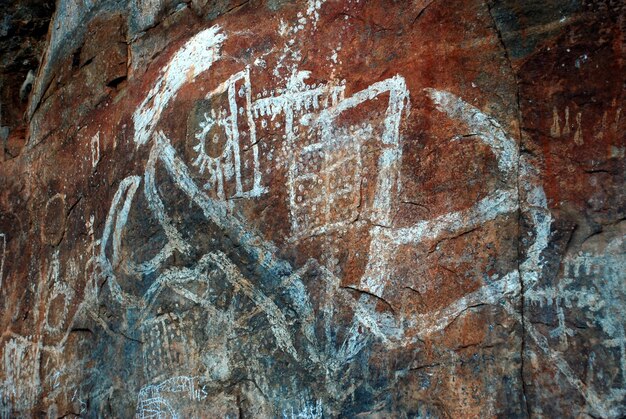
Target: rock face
[
  {"x": 317, "y": 209},
  {"x": 23, "y": 26}
]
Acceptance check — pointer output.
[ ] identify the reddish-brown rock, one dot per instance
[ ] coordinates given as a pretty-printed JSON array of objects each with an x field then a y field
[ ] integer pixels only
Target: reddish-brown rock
[{"x": 318, "y": 209}]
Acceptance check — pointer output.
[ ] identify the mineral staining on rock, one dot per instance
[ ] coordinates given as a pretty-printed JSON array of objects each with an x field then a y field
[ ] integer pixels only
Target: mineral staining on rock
[{"x": 317, "y": 209}]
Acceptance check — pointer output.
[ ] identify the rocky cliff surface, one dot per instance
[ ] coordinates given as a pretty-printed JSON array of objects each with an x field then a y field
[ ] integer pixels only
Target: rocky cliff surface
[{"x": 313, "y": 208}]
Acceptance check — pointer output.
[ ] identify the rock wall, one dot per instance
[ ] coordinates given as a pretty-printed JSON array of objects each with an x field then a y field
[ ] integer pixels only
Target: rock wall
[{"x": 223, "y": 208}]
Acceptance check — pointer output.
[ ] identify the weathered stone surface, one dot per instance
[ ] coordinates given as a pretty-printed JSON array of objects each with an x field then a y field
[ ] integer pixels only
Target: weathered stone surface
[
  {"x": 23, "y": 28},
  {"x": 318, "y": 209}
]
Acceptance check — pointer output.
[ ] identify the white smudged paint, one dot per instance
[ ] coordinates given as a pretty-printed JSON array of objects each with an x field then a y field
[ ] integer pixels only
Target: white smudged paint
[
  {"x": 156, "y": 205},
  {"x": 488, "y": 130},
  {"x": 95, "y": 149},
  {"x": 536, "y": 205},
  {"x": 489, "y": 208},
  {"x": 196, "y": 56},
  {"x": 313, "y": 7},
  {"x": 58, "y": 289},
  {"x": 555, "y": 129},
  {"x": 3, "y": 251},
  {"x": 386, "y": 240},
  {"x": 91, "y": 283},
  {"x": 115, "y": 222},
  {"x": 388, "y": 167},
  {"x": 507, "y": 287}
]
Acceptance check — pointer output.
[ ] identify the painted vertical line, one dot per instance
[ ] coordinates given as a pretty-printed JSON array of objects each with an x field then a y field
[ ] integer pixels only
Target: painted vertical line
[
  {"x": 292, "y": 157},
  {"x": 234, "y": 137},
  {"x": 3, "y": 243}
]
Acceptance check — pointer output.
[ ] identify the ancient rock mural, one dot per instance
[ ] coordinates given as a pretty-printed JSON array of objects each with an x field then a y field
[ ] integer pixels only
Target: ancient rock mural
[{"x": 319, "y": 209}]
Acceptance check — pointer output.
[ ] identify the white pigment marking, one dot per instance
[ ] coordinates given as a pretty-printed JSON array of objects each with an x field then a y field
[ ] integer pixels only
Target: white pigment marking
[{"x": 196, "y": 56}]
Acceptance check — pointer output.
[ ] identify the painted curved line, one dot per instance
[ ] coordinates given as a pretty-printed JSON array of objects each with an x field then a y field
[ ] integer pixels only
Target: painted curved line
[
  {"x": 541, "y": 218},
  {"x": 488, "y": 130},
  {"x": 492, "y": 134},
  {"x": 155, "y": 203},
  {"x": 196, "y": 56},
  {"x": 116, "y": 220}
]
